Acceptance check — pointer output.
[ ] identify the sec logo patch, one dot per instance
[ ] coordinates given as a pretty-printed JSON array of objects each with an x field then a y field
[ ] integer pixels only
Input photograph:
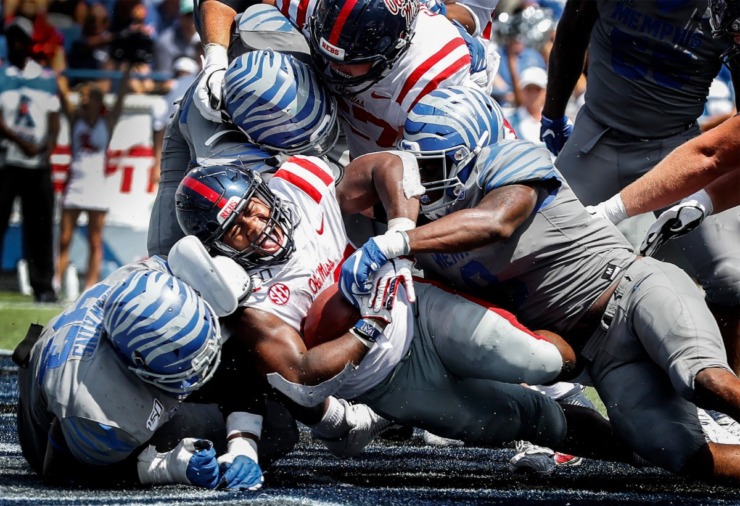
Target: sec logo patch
[{"x": 279, "y": 294}]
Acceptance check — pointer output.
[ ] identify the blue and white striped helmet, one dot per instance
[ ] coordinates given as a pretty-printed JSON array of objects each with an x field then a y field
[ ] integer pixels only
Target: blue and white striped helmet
[
  {"x": 280, "y": 104},
  {"x": 166, "y": 333},
  {"x": 449, "y": 127}
]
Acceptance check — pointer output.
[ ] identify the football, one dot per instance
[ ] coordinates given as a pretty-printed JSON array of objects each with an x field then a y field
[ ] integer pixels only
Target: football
[{"x": 329, "y": 317}]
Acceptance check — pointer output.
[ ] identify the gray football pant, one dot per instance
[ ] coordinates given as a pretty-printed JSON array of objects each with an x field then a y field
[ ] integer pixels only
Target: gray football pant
[{"x": 597, "y": 163}]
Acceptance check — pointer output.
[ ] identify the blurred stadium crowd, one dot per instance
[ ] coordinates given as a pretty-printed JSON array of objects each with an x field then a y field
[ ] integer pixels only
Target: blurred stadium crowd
[{"x": 93, "y": 41}]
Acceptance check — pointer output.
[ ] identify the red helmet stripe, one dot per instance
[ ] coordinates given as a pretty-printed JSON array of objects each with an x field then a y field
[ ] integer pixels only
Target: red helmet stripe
[
  {"x": 336, "y": 31},
  {"x": 204, "y": 191}
]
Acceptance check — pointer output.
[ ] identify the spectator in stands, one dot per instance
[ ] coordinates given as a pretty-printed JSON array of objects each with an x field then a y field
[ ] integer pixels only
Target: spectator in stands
[
  {"x": 168, "y": 12},
  {"x": 92, "y": 50},
  {"x": 179, "y": 40},
  {"x": 29, "y": 125},
  {"x": 48, "y": 42},
  {"x": 90, "y": 127},
  {"x": 516, "y": 47},
  {"x": 133, "y": 45},
  {"x": 525, "y": 119}
]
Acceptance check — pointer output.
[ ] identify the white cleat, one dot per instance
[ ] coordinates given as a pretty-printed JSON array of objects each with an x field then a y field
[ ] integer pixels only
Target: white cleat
[
  {"x": 532, "y": 458},
  {"x": 726, "y": 422}
]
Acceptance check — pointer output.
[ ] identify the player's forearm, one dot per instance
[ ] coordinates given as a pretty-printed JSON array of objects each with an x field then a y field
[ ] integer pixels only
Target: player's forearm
[
  {"x": 687, "y": 169},
  {"x": 447, "y": 235},
  {"x": 725, "y": 191},
  {"x": 568, "y": 55},
  {"x": 325, "y": 361},
  {"x": 391, "y": 178},
  {"x": 217, "y": 20}
]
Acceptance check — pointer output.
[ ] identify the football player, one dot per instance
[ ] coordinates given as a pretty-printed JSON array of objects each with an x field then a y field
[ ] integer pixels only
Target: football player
[
  {"x": 110, "y": 381},
  {"x": 452, "y": 365},
  {"x": 645, "y": 91},
  {"x": 305, "y": 111},
  {"x": 505, "y": 226},
  {"x": 377, "y": 58}
]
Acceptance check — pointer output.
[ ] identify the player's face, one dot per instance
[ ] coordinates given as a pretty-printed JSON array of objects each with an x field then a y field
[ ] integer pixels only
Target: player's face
[
  {"x": 250, "y": 230},
  {"x": 351, "y": 70},
  {"x": 431, "y": 170}
]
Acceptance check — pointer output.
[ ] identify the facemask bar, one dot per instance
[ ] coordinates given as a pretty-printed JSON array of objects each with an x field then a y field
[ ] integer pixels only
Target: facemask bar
[{"x": 452, "y": 184}]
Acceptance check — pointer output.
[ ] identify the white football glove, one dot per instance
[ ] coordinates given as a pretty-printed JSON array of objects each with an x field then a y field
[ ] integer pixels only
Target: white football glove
[
  {"x": 209, "y": 90},
  {"x": 386, "y": 281},
  {"x": 191, "y": 462},
  {"x": 347, "y": 429},
  {"x": 677, "y": 221}
]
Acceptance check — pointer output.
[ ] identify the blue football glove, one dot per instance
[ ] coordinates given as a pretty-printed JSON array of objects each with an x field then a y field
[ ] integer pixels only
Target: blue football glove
[
  {"x": 202, "y": 470},
  {"x": 354, "y": 278},
  {"x": 191, "y": 462},
  {"x": 555, "y": 132},
  {"x": 475, "y": 47},
  {"x": 240, "y": 473}
]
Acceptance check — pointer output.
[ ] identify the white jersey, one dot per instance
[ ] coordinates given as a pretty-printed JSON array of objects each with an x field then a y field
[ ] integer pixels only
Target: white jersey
[
  {"x": 437, "y": 58},
  {"x": 288, "y": 290},
  {"x": 26, "y": 98},
  {"x": 86, "y": 187}
]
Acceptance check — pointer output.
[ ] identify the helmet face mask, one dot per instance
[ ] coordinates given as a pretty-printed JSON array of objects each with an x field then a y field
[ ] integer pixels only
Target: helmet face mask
[
  {"x": 370, "y": 32},
  {"x": 725, "y": 22},
  {"x": 210, "y": 199},
  {"x": 163, "y": 330}
]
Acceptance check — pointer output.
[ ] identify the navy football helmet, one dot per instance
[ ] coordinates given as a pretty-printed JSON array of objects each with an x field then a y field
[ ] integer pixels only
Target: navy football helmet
[
  {"x": 725, "y": 22},
  {"x": 163, "y": 330},
  {"x": 363, "y": 31},
  {"x": 279, "y": 103},
  {"x": 450, "y": 126},
  {"x": 209, "y": 199}
]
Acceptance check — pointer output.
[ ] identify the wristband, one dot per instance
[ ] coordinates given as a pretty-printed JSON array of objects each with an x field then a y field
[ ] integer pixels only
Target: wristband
[
  {"x": 615, "y": 210},
  {"x": 215, "y": 56},
  {"x": 367, "y": 331}
]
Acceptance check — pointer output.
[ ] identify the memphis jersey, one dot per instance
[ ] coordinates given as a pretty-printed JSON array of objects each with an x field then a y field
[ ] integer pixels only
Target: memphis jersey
[
  {"x": 105, "y": 410},
  {"x": 651, "y": 65},
  {"x": 557, "y": 262},
  {"x": 27, "y": 97},
  {"x": 287, "y": 290},
  {"x": 211, "y": 143},
  {"x": 437, "y": 58}
]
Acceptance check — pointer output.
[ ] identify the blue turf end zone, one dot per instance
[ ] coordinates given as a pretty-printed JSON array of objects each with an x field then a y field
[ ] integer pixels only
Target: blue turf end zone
[{"x": 387, "y": 473}]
